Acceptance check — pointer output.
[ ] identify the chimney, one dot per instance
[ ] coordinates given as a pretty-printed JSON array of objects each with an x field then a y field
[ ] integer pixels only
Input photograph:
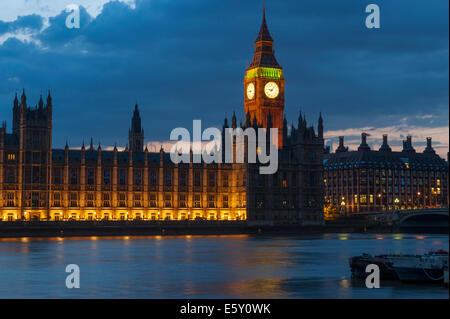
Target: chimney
[
  {"x": 385, "y": 146},
  {"x": 341, "y": 147},
  {"x": 407, "y": 145},
  {"x": 429, "y": 149},
  {"x": 363, "y": 146}
]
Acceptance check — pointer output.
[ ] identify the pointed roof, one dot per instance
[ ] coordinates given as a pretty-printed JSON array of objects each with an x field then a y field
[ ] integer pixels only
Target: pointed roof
[
  {"x": 23, "y": 98},
  {"x": 41, "y": 101},
  {"x": 16, "y": 100},
  {"x": 49, "y": 98},
  {"x": 234, "y": 120},
  {"x": 264, "y": 55},
  {"x": 136, "y": 120},
  {"x": 264, "y": 34}
]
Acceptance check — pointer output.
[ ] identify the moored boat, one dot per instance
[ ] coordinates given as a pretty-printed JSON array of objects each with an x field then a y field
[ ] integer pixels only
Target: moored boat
[
  {"x": 358, "y": 265},
  {"x": 428, "y": 268}
]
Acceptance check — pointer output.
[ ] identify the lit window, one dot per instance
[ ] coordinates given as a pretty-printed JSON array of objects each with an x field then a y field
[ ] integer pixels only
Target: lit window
[
  {"x": 167, "y": 200},
  {"x": 211, "y": 201},
  {"x": 182, "y": 201},
  {"x": 225, "y": 201},
  {"x": 197, "y": 201}
]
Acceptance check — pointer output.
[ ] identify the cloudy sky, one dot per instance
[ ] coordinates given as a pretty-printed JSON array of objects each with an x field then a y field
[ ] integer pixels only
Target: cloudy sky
[{"x": 185, "y": 60}]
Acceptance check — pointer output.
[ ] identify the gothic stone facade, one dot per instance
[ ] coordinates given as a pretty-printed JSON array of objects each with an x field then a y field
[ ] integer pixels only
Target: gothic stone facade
[{"x": 38, "y": 182}]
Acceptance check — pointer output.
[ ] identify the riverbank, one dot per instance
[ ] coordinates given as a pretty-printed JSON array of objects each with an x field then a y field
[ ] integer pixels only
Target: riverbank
[{"x": 145, "y": 228}]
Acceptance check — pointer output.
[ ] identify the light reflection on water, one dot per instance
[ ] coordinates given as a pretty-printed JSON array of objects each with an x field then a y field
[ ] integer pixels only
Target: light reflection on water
[{"x": 236, "y": 266}]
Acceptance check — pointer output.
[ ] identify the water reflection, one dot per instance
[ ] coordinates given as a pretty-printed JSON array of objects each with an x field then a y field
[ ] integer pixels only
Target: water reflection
[{"x": 240, "y": 266}]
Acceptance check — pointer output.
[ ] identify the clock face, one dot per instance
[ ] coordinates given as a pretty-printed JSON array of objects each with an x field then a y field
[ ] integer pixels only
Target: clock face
[
  {"x": 271, "y": 89},
  {"x": 250, "y": 91}
]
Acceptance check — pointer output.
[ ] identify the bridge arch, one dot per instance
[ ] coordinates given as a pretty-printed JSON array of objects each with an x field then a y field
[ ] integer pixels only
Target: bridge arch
[{"x": 425, "y": 220}]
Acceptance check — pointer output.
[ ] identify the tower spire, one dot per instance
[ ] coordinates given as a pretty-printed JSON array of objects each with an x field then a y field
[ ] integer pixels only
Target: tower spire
[
  {"x": 264, "y": 55},
  {"x": 264, "y": 34},
  {"x": 16, "y": 100},
  {"x": 136, "y": 133},
  {"x": 41, "y": 101},
  {"x": 320, "y": 126},
  {"x": 49, "y": 99},
  {"x": 264, "y": 84},
  {"x": 23, "y": 98}
]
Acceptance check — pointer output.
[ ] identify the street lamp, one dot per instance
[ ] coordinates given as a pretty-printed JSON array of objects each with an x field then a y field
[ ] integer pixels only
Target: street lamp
[{"x": 396, "y": 201}]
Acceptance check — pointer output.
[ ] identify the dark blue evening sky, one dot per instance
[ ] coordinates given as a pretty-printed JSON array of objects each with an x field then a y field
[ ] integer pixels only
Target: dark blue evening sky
[{"x": 185, "y": 60}]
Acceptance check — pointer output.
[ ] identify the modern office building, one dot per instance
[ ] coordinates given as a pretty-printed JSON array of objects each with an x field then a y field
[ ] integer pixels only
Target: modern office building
[{"x": 378, "y": 180}]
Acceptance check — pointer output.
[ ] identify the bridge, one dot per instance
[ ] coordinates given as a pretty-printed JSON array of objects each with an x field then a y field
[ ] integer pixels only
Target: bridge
[{"x": 427, "y": 218}]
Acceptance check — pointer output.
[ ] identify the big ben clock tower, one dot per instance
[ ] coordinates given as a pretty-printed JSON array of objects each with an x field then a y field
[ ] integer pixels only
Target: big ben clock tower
[{"x": 264, "y": 84}]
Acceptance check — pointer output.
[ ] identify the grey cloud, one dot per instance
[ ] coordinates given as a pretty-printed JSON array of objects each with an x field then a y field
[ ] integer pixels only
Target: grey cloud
[
  {"x": 33, "y": 21},
  {"x": 186, "y": 60}
]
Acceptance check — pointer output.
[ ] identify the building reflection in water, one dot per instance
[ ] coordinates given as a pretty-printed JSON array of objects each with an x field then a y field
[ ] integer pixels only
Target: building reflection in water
[{"x": 198, "y": 266}]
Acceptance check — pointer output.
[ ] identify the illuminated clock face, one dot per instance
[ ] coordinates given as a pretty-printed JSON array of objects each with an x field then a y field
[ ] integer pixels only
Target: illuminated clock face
[
  {"x": 250, "y": 91},
  {"x": 272, "y": 90}
]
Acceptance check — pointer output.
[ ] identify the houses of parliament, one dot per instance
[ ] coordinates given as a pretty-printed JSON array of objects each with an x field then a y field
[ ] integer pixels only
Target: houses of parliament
[{"x": 38, "y": 182}]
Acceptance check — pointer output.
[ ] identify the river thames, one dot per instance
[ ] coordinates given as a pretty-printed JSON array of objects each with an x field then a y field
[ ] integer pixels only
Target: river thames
[{"x": 235, "y": 266}]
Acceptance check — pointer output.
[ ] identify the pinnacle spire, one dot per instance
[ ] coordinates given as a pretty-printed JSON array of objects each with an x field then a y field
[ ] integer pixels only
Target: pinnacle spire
[
  {"x": 264, "y": 34},
  {"x": 264, "y": 55},
  {"x": 41, "y": 101},
  {"x": 49, "y": 99},
  {"x": 234, "y": 120},
  {"x": 16, "y": 100},
  {"x": 136, "y": 133},
  {"x": 23, "y": 98}
]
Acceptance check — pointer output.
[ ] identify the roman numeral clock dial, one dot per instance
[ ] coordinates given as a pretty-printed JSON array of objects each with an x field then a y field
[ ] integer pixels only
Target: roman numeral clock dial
[
  {"x": 250, "y": 91},
  {"x": 271, "y": 90}
]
